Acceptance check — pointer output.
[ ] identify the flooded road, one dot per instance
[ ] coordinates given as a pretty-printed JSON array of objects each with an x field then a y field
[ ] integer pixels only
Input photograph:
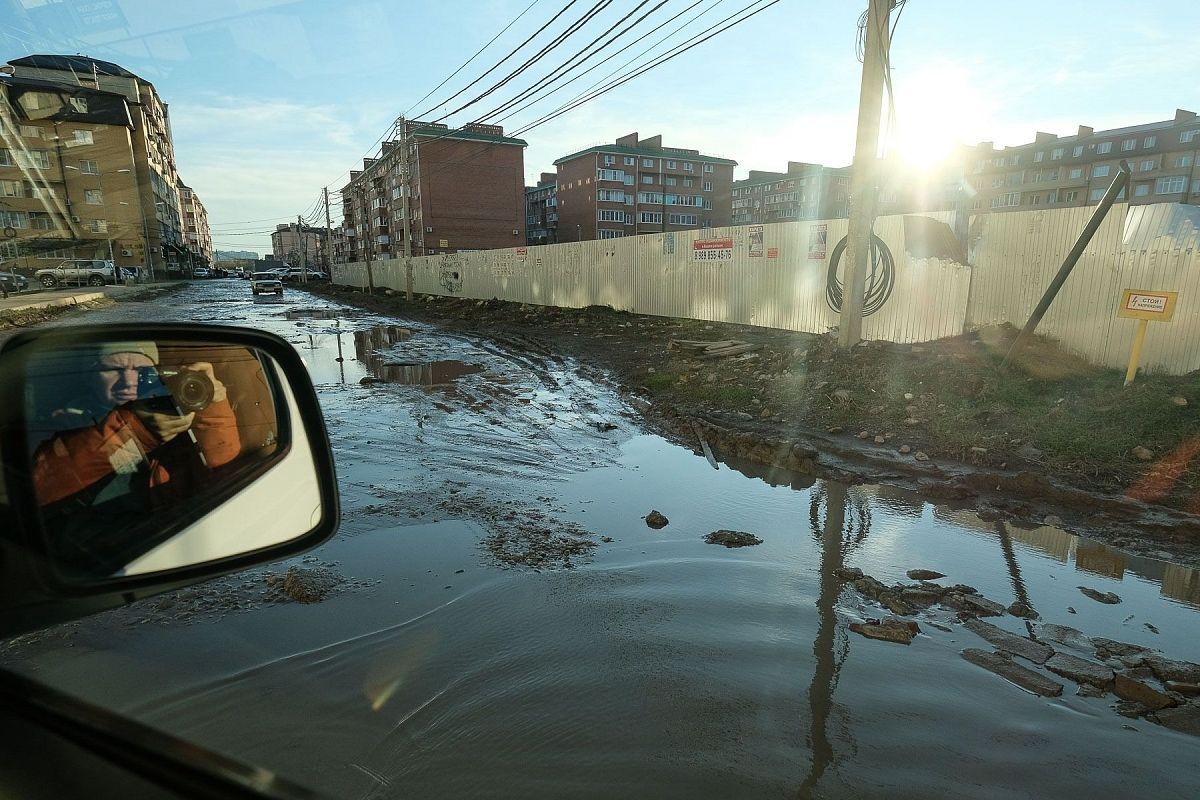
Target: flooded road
[{"x": 509, "y": 625}]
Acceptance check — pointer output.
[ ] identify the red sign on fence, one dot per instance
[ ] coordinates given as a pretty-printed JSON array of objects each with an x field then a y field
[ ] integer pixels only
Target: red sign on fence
[{"x": 712, "y": 250}]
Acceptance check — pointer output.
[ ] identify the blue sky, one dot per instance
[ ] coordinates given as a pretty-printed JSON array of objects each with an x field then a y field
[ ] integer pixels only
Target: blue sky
[{"x": 273, "y": 99}]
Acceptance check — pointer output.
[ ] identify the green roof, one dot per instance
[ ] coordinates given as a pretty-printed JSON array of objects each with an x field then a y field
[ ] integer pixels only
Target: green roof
[
  {"x": 473, "y": 136},
  {"x": 657, "y": 152}
]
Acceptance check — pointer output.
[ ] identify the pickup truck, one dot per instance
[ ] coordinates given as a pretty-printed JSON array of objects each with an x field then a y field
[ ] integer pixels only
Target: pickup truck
[{"x": 93, "y": 272}]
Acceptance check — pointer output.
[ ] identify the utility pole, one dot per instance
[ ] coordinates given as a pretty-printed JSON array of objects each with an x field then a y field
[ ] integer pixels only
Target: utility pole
[
  {"x": 328, "y": 236},
  {"x": 367, "y": 244},
  {"x": 864, "y": 180},
  {"x": 300, "y": 239},
  {"x": 406, "y": 206}
]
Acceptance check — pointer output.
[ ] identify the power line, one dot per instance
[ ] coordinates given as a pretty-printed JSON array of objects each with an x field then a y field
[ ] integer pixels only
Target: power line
[
  {"x": 496, "y": 66},
  {"x": 571, "y": 30},
  {"x": 472, "y": 58}
]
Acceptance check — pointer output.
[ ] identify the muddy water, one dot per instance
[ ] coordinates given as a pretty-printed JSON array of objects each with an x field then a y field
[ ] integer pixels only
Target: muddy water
[{"x": 658, "y": 666}]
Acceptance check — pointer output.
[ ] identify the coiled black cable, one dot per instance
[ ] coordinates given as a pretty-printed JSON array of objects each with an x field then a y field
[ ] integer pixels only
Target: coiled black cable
[{"x": 880, "y": 279}]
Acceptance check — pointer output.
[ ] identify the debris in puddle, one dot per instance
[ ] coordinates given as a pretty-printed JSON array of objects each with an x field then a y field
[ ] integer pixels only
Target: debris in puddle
[
  {"x": 1108, "y": 598},
  {"x": 732, "y": 538},
  {"x": 1013, "y": 672},
  {"x": 890, "y": 629},
  {"x": 304, "y": 584},
  {"x": 924, "y": 574},
  {"x": 848, "y": 573},
  {"x": 1022, "y": 646},
  {"x": 1128, "y": 688},
  {"x": 656, "y": 520},
  {"x": 1023, "y": 610},
  {"x": 1081, "y": 670}
]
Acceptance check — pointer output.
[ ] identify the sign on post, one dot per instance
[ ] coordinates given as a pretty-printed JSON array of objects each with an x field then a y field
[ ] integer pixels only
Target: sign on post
[{"x": 1144, "y": 305}]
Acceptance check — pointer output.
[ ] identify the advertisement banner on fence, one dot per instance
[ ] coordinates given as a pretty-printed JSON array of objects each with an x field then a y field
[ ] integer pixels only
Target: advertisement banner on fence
[
  {"x": 818, "y": 236},
  {"x": 712, "y": 250},
  {"x": 756, "y": 241}
]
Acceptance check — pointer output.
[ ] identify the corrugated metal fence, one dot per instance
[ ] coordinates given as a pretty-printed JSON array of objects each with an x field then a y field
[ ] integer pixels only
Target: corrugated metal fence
[{"x": 777, "y": 276}]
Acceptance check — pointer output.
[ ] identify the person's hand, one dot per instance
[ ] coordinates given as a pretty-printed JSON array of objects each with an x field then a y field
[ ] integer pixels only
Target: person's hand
[
  {"x": 166, "y": 426},
  {"x": 219, "y": 392}
]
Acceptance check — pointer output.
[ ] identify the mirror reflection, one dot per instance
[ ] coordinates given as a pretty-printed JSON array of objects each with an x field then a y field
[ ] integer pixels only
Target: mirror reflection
[{"x": 132, "y": 441}]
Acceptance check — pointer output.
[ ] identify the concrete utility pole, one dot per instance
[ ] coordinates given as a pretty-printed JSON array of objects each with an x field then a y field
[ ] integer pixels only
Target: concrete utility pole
[
  {"x": 406, "y": 206},
  {"x": 864, "y": 180},
  {"x": 328, "y": 235},
  {"x": 300, "y": 239},
  {"x": 366, "y": 212}
]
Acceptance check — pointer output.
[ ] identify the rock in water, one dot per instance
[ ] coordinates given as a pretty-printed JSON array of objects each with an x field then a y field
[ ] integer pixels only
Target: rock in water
[
  {"x": 656, "y": 520},
  {"x": 1011, "y": 671},
  {"x": 889, "y": 630},
  {"x": 733, "y": 538},
  {"x": 924, "y": 575},
  {"x": 1108, "y": 598}
]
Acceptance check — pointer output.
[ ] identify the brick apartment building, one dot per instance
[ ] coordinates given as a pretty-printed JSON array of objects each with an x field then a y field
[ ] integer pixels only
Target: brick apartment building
[
  {"x": 288, "y": 241},
  {"x": 467, "y": 190},
  {"x": 541, "y": 210},
  {"x": 636, "y": 186},
  {"x": 1056, "y": 172},
  {"x": 197, "y": 236},
  {"x": 805, "y": 191},
  {"x": 95, "y": 166}
]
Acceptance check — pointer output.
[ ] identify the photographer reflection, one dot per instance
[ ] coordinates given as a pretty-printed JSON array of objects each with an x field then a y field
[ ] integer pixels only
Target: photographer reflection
[{"x": 137, "y": 436}]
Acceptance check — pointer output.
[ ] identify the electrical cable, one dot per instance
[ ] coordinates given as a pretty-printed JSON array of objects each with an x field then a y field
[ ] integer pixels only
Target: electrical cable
[
  {"x": 571, "y": 30},
  {"x": 880, "y": 279}
]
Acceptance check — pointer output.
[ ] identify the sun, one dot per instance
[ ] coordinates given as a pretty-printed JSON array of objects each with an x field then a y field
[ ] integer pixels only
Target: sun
[{"x": 937, "y": 109}]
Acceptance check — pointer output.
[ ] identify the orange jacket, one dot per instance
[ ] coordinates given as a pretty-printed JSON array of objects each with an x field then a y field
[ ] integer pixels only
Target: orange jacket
[{"x": 73, "y": 460}]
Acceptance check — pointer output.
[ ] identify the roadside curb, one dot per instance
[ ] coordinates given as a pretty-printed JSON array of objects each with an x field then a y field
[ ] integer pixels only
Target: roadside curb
[{"x": 68, "y": 300}]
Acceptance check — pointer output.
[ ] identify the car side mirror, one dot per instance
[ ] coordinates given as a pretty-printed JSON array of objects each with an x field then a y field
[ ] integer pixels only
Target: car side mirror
[{"x": 141, "y": 458}]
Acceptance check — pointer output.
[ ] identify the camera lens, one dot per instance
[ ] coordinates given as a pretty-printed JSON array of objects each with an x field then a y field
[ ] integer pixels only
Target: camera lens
[{"x": 192, "y": 390}]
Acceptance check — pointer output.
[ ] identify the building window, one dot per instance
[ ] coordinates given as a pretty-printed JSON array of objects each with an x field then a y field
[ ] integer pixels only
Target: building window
[
  {"x": 1101, "y": 171},
  {"x": 647, "y": 162},
  {"x": 1077, "y": 173},
  {"x": 610, "y": 175},
  {"x": 1187, "y": 136},
  {"x": 1056, "y": 154},
  {"x": 1014, "y": 160},
  {"x": 708, "y": 204},
  {"x": 1128, "y": 144},
  {"x": 707, "y": 186},
  {"x": 1170, "y": 185},
  {"x": 1070, "y": 197},
  {"x": 611, "y": 215},
  {"x": 688, "y": 182},
  {"x": 609, "y": 233},
  {"x": 652, "y": 198},
  {"x": 650, "y": 217},
  {"x": 1196, "y": 187},
  {"x": 1006, "y": 200},
  {"x": 1150, "y": 141},
  {"x": 630, "y": 161},
  {"x": 1183, "y": 161},
  {"x": 611, "y": 195},
  {"x": 610, "y": 160},
  {"x": 669, "y": 180},
  {"x": 708, "y": 167},
  {"x": 1077, "y": 150},
  {"x": 671, "y": 165},
  {"x": 1096, "y": 195},
  {"x": 1038, "y": 156},
  {"x": 683, "y": 219},
  {"x": 1141, "y": 190},
  {"x": 11, "y": 189},
  {"x": 628, "y": 180},
  {"x": 690, "y": 167},
  {"x": 99, "y": 226},
  {"x": 40, "y": 220},
  {"x": 13, "y": 219},
  {"x": 1104, "y": 147},
  {"x": 649, "y": 179},
  {"x": 93, "y": 197},
  {"x": 628, "y": 217},
  {"x": 1147, "y": 165},
  {"x": 1035, "y": 199},
  {"x": 31, "y": 131},
  {"x": 83, "y": 137}
]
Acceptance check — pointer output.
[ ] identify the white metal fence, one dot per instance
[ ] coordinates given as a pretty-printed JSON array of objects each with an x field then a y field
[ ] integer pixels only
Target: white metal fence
[{"x": 777, "y": 276}]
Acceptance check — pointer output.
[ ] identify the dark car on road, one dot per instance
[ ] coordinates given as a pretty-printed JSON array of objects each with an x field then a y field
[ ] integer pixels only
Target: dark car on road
[{"x": 13, "y": 282}]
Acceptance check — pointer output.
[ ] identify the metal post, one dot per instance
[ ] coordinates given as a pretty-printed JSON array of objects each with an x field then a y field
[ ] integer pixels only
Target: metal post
[
  {"x": 863, "y": 180},
  {"x": 300, "y": 241},
  {"x": 328, "y": 235}
]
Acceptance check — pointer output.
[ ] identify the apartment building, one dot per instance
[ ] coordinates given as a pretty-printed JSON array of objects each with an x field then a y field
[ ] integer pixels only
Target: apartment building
[
  {"x": 341, "y": 254},
  {"x": 93, "y": 148},
  {"x": 1061, "y": 171},
  {"x": 804, "y": 191},
  {"x": 466, "y": 190},
  {"x": 289, "y": 241},
  {"x": 541, "y": 210},
  {"x": 637, "y": 186},
  {"x": 197, "y": 236}
]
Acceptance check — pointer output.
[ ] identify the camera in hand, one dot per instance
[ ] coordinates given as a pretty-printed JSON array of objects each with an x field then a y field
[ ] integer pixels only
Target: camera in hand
[{"x": 184, "y": 389}]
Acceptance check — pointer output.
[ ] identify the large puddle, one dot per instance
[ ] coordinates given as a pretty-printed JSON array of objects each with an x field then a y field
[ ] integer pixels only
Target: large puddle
[{"x": 658, "y": 665}]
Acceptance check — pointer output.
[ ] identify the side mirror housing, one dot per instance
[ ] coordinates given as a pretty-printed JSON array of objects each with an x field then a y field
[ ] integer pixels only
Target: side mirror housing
[{"x": 142, "y": 458}]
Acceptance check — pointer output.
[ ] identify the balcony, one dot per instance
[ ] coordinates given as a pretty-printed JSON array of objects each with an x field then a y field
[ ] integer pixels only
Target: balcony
[{"x": 383, "y": 240}]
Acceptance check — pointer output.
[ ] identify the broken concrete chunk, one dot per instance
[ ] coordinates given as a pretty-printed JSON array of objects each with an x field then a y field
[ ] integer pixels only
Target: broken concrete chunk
[
  {"x": 1185, "y": 719},
  {"x": 924, "y": 575},
  {"x": 848, "y": 573},
  {"x": 1107, "y": 598},
  {"x": 1118, "y": 648},
  {"x": 1022, "y": 610},
  {"x": 889, "y": 630},
  {"x": 1013, "y": 672},
  {"x": 1010, "y": 642},
  {"x": 1166, "y": 669},
  {"x": 1130, "y": 708},
  {"x": 656, "y": 520},
  {"x": 1064, "y": 634},
  {"x": 1081, "y": 670},
  {"x": 1087, "y": 690},
  {"x": 733, "y": 538},
  {"x": 1129, "y": 689},
  {"x": 1188, "y": 689},
  {"x": 896, "y": 605},
  {"x": 981, "y": 606}
]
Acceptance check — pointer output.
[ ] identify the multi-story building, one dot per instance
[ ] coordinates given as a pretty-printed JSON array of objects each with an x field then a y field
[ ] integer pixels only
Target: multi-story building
[
  {"x": 466, "y": 191},
  {"x": 341, "y": 254},
  {"x": 541, "y": 210},
  {"x": 636, "y": 186},
  {"x": 1055, "y": 172},
  {"x": 288, "y": 242},
  {"x": 805, "y": 191},
  {"x": 197, "y": 236},
  {"x": 100, "y": 161}
]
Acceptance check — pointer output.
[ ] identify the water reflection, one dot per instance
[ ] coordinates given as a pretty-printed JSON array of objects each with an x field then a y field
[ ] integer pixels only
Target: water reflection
[{"x": 368, "y": 345}]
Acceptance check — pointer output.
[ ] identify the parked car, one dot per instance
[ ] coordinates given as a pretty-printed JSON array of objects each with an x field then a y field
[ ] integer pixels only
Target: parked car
[
  {"x": 13, "y": 282},
  {"x": 296, "y": 275},
  {"x": 200, "y": 272},
  {"x": 266, "y": 283},
  {"x": 93, "y": 272}
]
